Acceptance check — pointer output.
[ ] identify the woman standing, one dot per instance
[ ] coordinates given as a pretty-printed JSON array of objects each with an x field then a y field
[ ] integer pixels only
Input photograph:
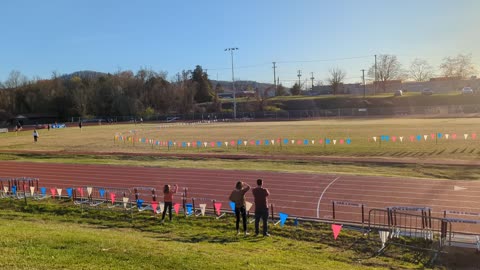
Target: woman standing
[
  {"x": 168, "y": 200},
  {"x": 238, "y": 197},
  {"x": 35, "y": 135}
]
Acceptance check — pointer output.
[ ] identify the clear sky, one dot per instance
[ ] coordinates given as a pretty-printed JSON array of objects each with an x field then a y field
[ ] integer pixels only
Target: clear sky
[{"x": 39, "y": 37}]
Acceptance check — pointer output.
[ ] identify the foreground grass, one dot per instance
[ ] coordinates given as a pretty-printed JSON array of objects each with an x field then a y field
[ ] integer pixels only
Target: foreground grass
[
  {"x": 456, "y": 172},
  {"x": 57, "y": 235}
]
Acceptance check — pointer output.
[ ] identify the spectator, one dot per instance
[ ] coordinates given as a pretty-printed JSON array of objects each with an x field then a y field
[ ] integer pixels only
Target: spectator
[
  {"x": 260, "y": 195},
  {"x": 168, "y": 200},
  {"x": 35, "y": 135},
  {"x": 80, "y": 125},
  {"x": 238, "y": 197}
]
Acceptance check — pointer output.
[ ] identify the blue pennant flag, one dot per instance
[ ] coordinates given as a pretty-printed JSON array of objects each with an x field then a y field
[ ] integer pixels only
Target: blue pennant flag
[
  {"x": 239, "y": 142},
  {"x": 189, "y": 207},
  {"x": 102, "y": 192},
  {"x": 267, "y": 142},
  {"x": 285, "y": 141},
  {"x": 43, "y": 190},
  {"x": 232, "y": 205},
  {"x": 305, "y": 141},
  {"x": 139, "y": 203},
  {"x": 419, "y": 137},
  {"x": 327, "y": 141},
  {"x": 14, "y": 189},
  {"x": 348, "y": 141},
  {"x": 199, "y": 143},
  {"x": 219, "y": 144},
  {"x": 257, "y": 142},
  {"x": 69, "y": 192},
  {"x": 387, "y": 138},
  {"x": 283, "y": 218},
  {"x": 170, "y": 143},
  {"x": 439, "y": 135},
  {"x": 184, "y": 144},
  {"x": 382, "y": 138}
]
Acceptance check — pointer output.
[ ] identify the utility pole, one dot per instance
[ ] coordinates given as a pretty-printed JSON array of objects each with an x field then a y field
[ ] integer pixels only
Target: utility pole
[
  {"x": 299, "y": 75},
  {"x": 274, "y": 76},
  {"x": 363, "y": 78},
  {"x": 312, "y": 78},
  {"x": 375, "y": 82}
]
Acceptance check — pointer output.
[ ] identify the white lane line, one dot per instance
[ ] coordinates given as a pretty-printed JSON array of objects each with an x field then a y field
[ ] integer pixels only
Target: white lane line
[{"x": 319, "y": 199}]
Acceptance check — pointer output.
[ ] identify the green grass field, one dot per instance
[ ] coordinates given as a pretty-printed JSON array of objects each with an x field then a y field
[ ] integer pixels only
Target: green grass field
[
  {"x": 53, "y": 235},
  {"x": 361, "y": 132},
  {"x": 80, "y": 146}
]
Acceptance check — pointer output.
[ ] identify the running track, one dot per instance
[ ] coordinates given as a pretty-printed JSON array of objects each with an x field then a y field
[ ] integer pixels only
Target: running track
[{"x": 303, "y": 195}]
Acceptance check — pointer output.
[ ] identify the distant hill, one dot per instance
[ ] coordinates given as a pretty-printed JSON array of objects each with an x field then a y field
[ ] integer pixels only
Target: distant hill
[
  {"x": 84, "y": 74},
  {"x": 241, "y": 85}
]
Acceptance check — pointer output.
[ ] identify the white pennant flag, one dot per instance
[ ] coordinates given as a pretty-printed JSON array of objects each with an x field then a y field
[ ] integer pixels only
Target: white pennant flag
[
  {"x": 205, "y": 144},
  {"x": 272, "y": 141},
  {"x": 125, "y": 201},
  {"x": 248, "y": 205},
  {"x": 174, "y": 143},
  {"x": 203, "y": 206},
  {"x": 334, "y": 141},
  {"x": 383, "y": 237},
  {"x": 293, "y": 141},
  {"x": 5, "y": 188},
  {"x": 32, "y": 190},
  {"x": 465, "y": 136},
  {"x": 375, "y": 139},
  {"x": 313, "y": 141},
  {"x": 245, "y": 143},
  {"x": 226, "y": 143},
  {"x": 89, "y": 191},
  {"x": 401, "y": 139},
  {"x": 59, "y": 191},
  {"x": 188, "y": 144},
  {"x": 162, "y": 206},
  {"x": 425, "y": 137},
  {"x": 446, "y": 136}
]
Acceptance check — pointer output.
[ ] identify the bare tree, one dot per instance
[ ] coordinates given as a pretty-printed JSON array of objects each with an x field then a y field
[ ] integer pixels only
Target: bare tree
[
  {"x": 420, "y": 70},
  {"x": 388, "y": 68},
  {"x": 262, "y": 96},
  {"x": 15, "y": 79},
  {"x": 336, "y": 78},
  {"x": 460, "y": 66}
]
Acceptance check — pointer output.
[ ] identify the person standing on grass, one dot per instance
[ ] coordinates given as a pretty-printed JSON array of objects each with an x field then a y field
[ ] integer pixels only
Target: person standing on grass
[
  {"x": 260, "y": 195},
  {"x": 168, "y": 200},
  {"x": 35, "y": 135},
  {"x": 238, "y": 197}
]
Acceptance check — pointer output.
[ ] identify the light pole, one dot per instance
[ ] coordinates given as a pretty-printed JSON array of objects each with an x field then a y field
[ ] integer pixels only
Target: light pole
[{"x": 233, "y": 84}]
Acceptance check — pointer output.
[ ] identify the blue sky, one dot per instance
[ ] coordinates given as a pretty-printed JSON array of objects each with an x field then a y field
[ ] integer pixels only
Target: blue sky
[{"x": 39, "y": 37}]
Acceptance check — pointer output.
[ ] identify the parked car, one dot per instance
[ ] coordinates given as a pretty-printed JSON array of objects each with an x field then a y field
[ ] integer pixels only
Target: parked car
[
  {"x": 427, "y": 92},
  {"x": 398, "y": 93},
  {"x": 467, "y": 91}
]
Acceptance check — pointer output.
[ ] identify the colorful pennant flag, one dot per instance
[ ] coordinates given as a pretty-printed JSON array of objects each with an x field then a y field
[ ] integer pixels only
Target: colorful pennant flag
[
  {"x": 283, "y": 218},
  {"x": 248, "y": 205},
  {"x": 176, "y": 207},
  {"x": 217, "y": 207},
  {"x": 203, "y": 206},
  {"x": 189, "y": 208},
  {"x": 336, "y": 228},
  {"x": 32, "y": 190},
  {"x": 154, "y": 207},
  {"x": 112, "y": 197},
  {"x": 232, "y": 206}
]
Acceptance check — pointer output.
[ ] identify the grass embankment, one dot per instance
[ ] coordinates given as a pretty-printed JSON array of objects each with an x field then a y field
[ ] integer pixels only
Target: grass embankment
[
  {"x": 430, "y": 171},
  {"x": 58, "y": 235}
]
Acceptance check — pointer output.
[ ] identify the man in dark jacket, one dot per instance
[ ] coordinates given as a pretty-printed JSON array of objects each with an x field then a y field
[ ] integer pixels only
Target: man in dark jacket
[{"x": 260, "y": 195}]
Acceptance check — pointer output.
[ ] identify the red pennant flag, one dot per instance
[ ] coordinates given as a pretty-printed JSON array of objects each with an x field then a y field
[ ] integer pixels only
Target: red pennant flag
[
  {"x": 336, "y": 230},
  {"x": 278, "y": 141},
  {"x": 154, "y": 207},
  {"x": 194, "y": 144},
  {"x": 341, "y": 141},
  {"x": 232, "y": 143},
  {"x": 212, "y": 144},
  {"x": 52, "y": 190},
  {"x": 454, "y": 136},
  {"x": 394, "y": 139},
  {"x": 252, "y": 142},
  {"x": 321, "y": 141},
  {"x": 217, "y": 207},
  {"x": 411, "y": 138},
  {"x": 474, "y": 135},
  {"x": 176, "y": 207},
  {"x": 112, "y": 197},
  {"x": 432, "y": 136},
  {"x": 80, "y": 190}
]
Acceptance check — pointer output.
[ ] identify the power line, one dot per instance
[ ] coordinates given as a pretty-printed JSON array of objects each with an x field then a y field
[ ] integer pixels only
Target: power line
[{"x": 325, "y": 60}]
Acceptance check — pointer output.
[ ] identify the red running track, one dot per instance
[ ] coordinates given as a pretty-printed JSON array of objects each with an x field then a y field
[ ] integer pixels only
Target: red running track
[{"x": 302, "y": 195}]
